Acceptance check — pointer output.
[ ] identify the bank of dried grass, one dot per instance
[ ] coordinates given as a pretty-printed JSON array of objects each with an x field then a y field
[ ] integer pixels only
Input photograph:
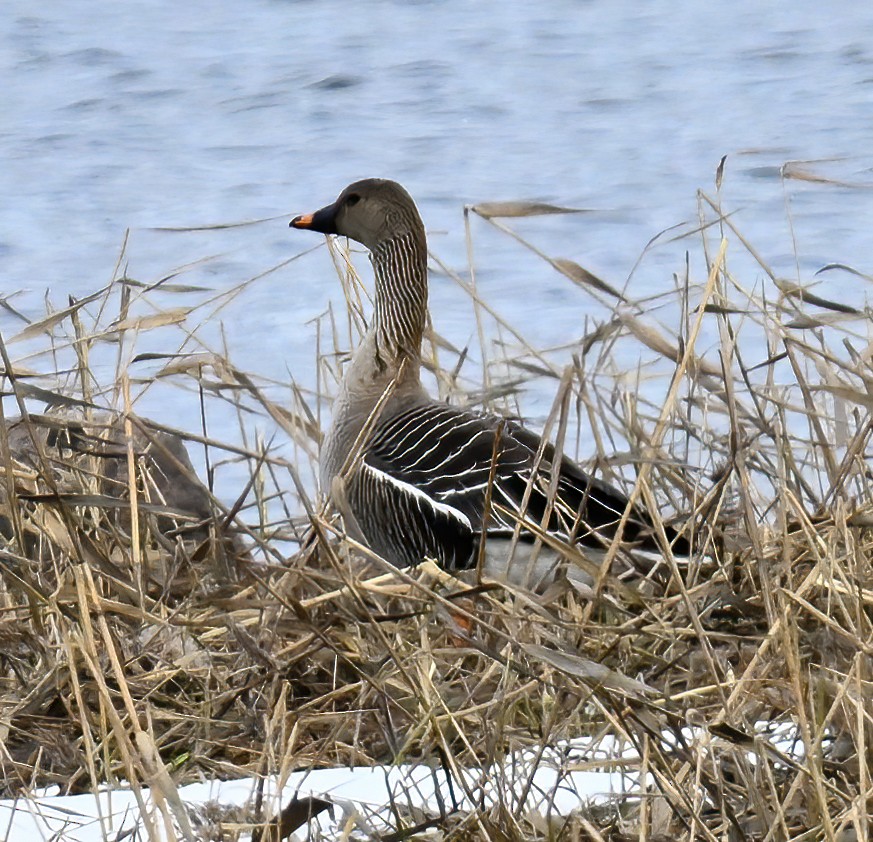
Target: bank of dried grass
[{"x": 141, "y": 647}]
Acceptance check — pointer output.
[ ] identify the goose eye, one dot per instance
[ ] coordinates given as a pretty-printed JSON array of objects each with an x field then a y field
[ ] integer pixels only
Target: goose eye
[{"x": 352, "y": 199}]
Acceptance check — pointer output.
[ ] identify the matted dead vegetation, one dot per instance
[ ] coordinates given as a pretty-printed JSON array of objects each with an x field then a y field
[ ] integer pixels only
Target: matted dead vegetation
[{"x": 153, "y": 635}]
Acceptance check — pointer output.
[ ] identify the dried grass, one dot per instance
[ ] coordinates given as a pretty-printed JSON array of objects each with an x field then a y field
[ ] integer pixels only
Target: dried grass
[{"x": 153, "y": 640}]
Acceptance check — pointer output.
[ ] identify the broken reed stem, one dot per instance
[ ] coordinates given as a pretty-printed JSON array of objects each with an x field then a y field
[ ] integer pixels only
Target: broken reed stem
[{"x": 136, "y": 556}]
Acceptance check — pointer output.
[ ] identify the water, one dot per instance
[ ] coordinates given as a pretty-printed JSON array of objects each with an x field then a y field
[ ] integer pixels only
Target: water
[{"x": 123, "y": 116}]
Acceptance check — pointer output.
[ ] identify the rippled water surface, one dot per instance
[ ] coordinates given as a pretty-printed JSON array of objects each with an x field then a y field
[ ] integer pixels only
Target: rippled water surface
[{"x": 133, "y": 116}]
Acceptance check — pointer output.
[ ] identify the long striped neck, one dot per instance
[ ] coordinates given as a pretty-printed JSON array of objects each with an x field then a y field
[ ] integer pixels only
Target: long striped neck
[{"x": 400, "y": 266}]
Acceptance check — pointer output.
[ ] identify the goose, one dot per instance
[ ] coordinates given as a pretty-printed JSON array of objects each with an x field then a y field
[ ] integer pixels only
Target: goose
[{"x": 415, "y": 478}]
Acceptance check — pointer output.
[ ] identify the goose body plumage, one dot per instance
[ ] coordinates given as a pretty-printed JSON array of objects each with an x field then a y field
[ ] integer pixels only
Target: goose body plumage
[{"x": 422, "y": 479}]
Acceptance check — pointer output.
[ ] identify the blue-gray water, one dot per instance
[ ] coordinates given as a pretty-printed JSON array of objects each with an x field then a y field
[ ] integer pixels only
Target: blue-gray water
[{"x": 136, "y": 115}]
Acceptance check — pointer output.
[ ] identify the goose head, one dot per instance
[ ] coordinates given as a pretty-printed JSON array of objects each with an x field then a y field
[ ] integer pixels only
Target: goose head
[{"x": 372, "y": 211}]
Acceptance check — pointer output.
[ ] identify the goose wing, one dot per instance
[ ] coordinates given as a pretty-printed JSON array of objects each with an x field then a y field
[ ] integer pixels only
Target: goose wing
[
  {"x": 433, "y": 463},
  {"x": 404, "y": 524}
]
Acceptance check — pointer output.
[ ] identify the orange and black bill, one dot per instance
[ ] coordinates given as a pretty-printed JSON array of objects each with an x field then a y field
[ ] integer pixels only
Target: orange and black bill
[{"x": 323, "y": 221}]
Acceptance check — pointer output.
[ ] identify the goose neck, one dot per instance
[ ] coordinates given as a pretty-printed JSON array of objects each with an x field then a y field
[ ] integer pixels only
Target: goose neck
[{"x": 400, "y": 268}]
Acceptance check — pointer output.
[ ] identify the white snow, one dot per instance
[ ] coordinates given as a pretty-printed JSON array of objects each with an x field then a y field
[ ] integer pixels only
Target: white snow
[{"x": 564, "y": 778}]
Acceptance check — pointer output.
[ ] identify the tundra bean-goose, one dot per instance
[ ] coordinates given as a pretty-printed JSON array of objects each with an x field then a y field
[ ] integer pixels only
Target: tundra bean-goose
[{"x": 421, "y": 479}]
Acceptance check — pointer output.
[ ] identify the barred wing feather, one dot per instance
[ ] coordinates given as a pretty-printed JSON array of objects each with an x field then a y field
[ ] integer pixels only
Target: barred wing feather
[
  {"x": 404, "y": 524},
  {"x": 427, "y": 469}
]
